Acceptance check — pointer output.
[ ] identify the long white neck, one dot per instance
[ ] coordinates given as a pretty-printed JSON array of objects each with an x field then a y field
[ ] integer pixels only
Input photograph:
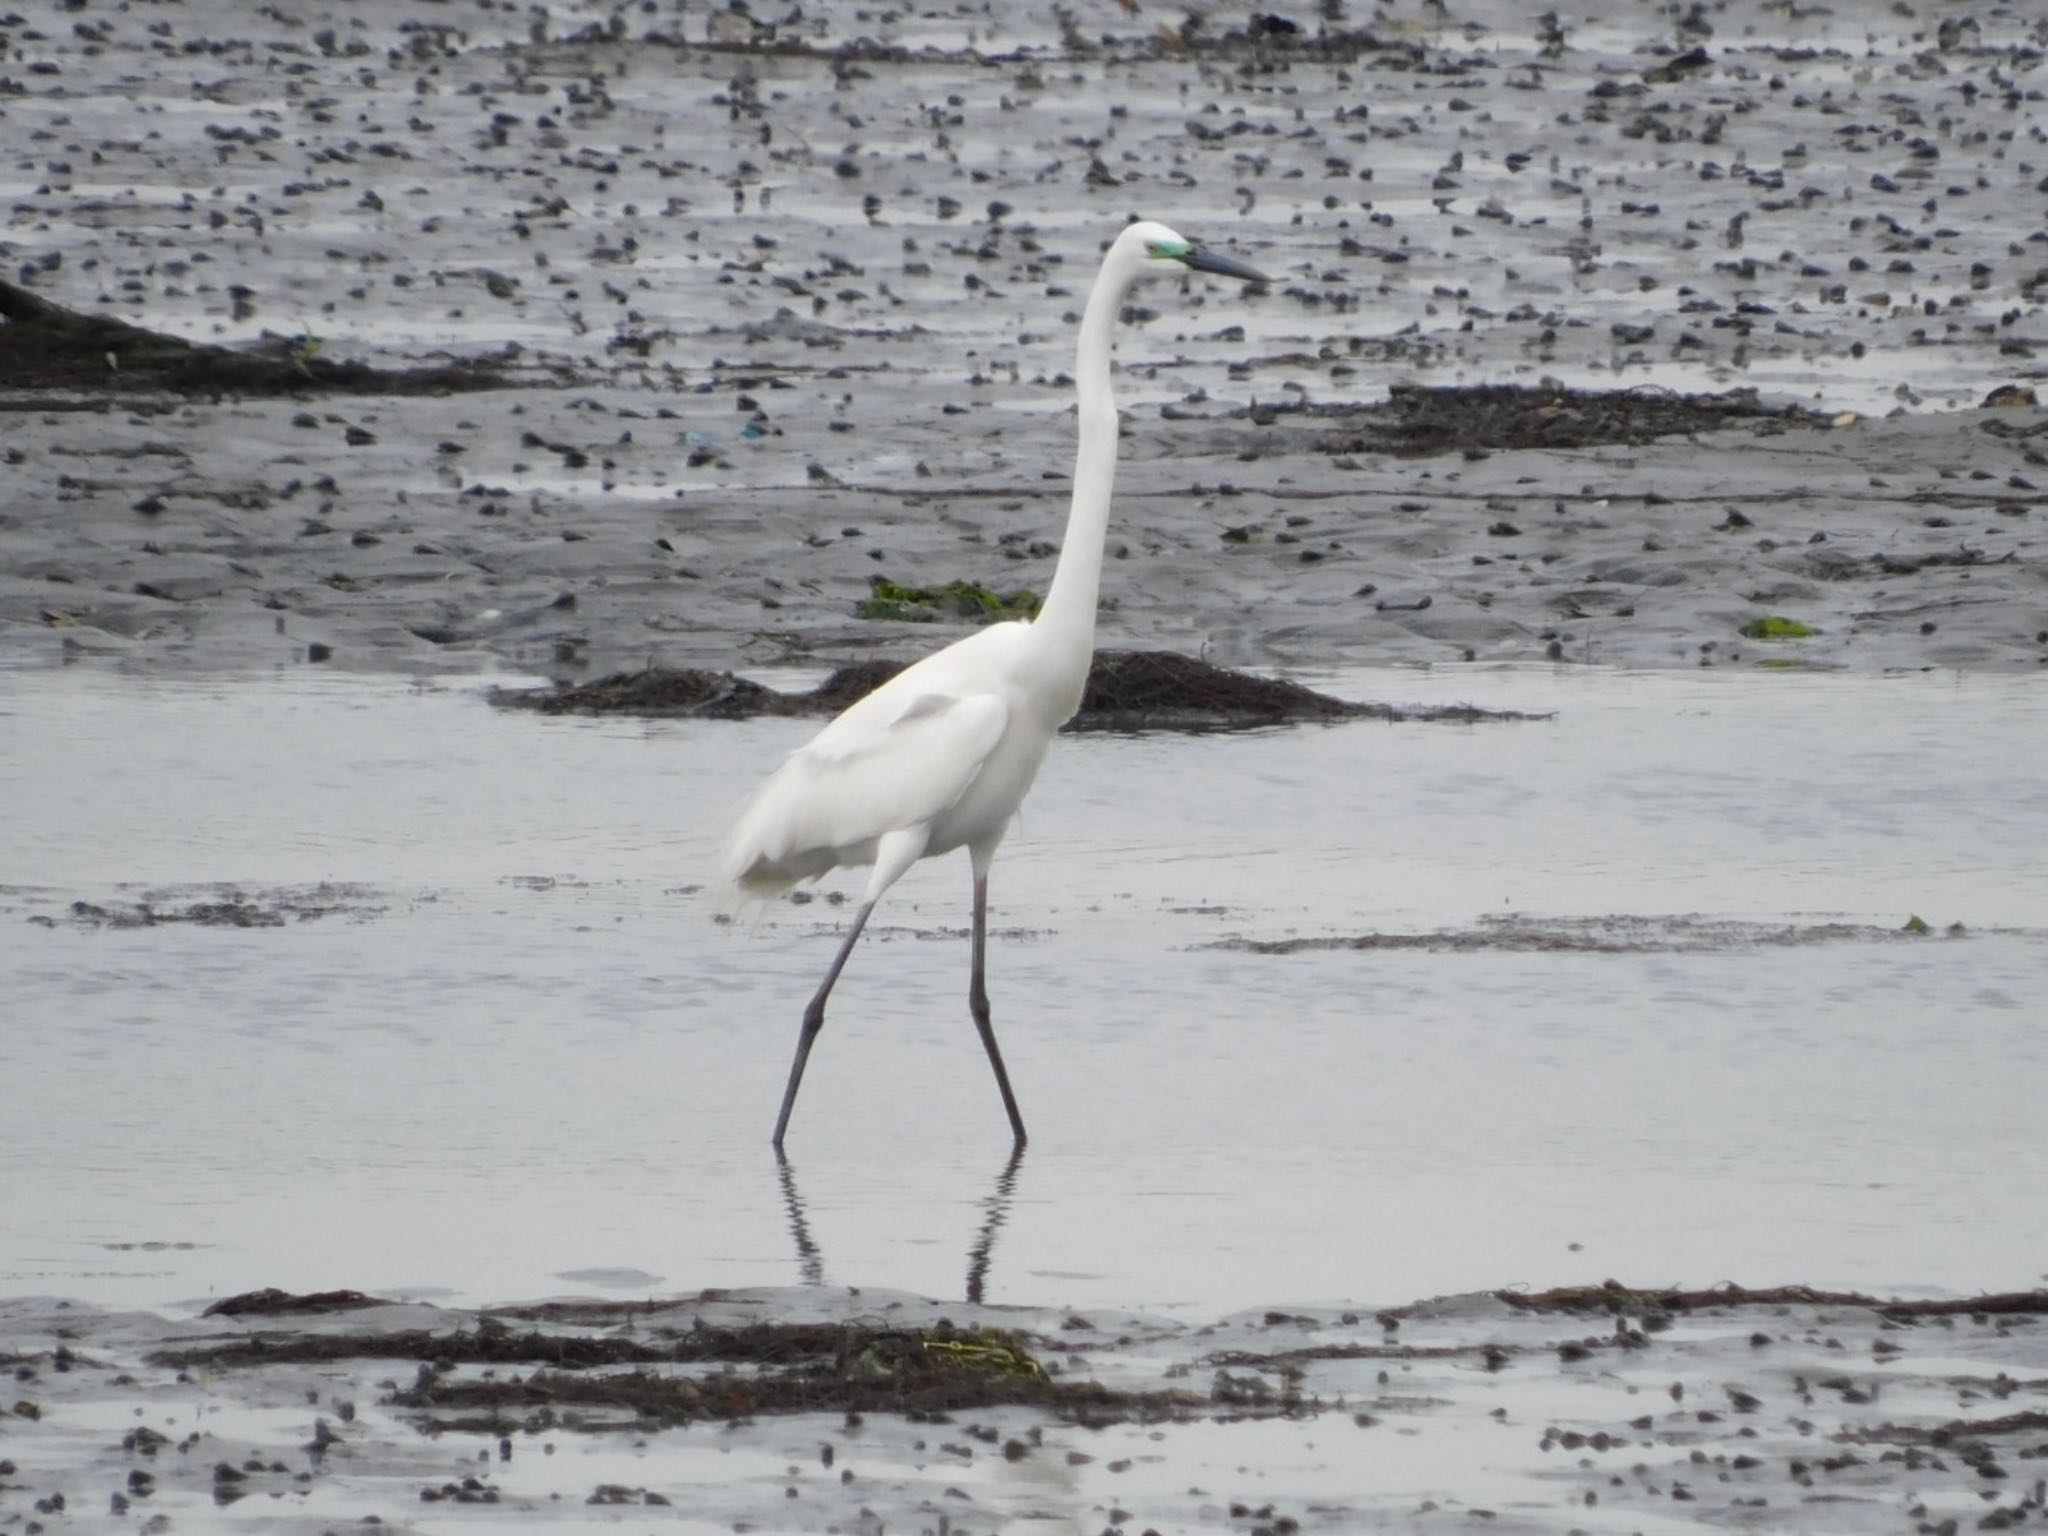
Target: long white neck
[{"x": 1068, "y": 614}]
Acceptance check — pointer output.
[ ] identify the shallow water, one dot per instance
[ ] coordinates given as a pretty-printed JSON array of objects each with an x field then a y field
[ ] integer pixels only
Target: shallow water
[{"x": 520, "y": 1059}]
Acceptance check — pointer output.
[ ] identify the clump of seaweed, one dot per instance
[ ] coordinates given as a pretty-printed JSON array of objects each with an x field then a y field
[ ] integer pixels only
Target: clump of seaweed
[
  {"x": 46, "y": 346},
  {"x": 1126, "y": 691},
  {"x": 690, "y": 1375}
]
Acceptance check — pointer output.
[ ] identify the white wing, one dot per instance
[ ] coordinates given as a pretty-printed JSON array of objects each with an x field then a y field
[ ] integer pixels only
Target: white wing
[{"x": 891, "y": 763}]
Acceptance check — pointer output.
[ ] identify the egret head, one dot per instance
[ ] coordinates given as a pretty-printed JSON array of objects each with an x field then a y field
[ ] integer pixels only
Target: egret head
[{"x": 1160, "y": 249}]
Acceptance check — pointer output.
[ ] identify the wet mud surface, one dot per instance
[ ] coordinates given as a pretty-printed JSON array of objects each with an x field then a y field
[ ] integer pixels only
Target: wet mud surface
[
  {"x": 1605, "y": 1407},
  {"x": 1594, "y": 341}
]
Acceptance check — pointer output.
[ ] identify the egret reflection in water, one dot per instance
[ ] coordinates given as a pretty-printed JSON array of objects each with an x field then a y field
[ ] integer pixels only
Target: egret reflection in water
[{"x": 995, "y": 1208}]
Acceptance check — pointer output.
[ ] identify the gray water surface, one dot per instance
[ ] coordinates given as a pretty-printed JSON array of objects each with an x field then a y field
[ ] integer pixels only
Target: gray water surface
[{"x": 514, "y": 1055}]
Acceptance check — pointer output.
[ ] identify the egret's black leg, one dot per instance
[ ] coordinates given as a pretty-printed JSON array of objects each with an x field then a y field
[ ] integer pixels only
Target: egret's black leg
[
  {"x": 814, "y": 1020},
  {"x": 977, "y": 1003}
]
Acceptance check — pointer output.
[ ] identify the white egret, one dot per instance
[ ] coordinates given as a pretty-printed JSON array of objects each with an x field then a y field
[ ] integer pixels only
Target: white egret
[{"x": 941, "y": 755}]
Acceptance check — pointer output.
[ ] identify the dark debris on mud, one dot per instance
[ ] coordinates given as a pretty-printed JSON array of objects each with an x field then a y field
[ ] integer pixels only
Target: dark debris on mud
[
  {"x": 224, "y": 908},
  {"x": 1266, "y": 41},
  {"x": 202, "y": 914},
  {"x": 1127, "y": 691},
  {"x": 1613, "y": 1297},
  {"x": 682, "y": 1376},
  {"x": 272, "y": 1302},
  {"x": 45, "y": 346},
  {"x": 1616, "y": 935},
  {"x": 1416, "y": 421},
  {"x": 1652, "y": 1309}
]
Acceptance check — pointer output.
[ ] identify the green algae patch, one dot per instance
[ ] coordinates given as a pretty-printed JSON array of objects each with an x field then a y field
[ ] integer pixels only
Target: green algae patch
[
  {"x": 955, "y": 600},
  {"x": 1774, "y": 627}
]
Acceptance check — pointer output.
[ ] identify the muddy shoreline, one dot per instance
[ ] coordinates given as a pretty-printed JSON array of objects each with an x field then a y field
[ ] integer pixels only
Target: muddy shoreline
[{"x": 1603, "y": 1407}]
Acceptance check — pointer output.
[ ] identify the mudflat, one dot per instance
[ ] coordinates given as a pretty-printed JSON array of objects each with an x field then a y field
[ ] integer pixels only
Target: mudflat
[
  {"x": 829, "y": 1409},
  {"x": 594, "y": 340}
]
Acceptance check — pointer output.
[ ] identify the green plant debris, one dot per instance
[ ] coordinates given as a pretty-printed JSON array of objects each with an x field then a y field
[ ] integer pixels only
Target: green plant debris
[
  {"x": 1774, "y": 627},
  {"x": 1917, "y": 924},
  {"x": 987, "y": 1349},
  {"x": 955, "y": 600}
]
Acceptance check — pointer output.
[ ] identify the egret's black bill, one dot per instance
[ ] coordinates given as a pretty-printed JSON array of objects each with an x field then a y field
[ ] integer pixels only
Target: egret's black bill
[{"x": 1223, "y": 266}]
